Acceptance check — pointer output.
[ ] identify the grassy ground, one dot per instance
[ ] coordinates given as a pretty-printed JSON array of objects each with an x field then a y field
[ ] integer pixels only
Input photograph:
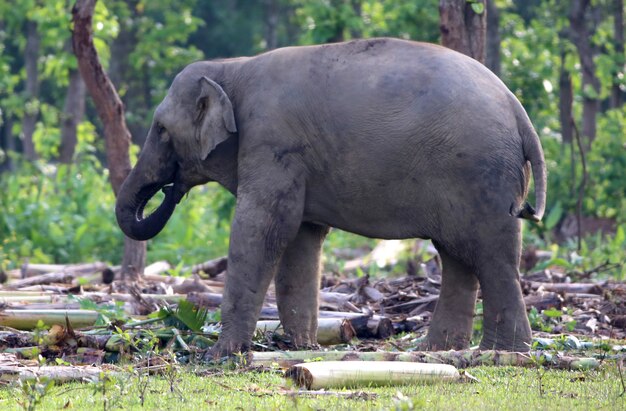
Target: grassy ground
[{"x": 503, "y": 388}]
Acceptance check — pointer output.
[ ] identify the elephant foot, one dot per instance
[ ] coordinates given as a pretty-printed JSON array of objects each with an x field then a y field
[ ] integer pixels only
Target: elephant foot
[
  {"x": 443, "y": 340},
  {"x": 520, "y": 344},
  {"x": 299, "y": 345},
  {"x": 226, "y": 348}
]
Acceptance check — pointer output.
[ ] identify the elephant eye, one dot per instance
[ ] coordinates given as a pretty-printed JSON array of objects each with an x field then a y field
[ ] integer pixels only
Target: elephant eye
[{"x": 160, "y": 129}]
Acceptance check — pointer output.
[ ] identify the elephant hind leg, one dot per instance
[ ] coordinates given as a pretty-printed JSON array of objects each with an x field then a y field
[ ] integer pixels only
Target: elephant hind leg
[
  {"x": 297, "y": 285},
  {"x": 452, "y": 323},
  {"x": 505, "y": 321}
]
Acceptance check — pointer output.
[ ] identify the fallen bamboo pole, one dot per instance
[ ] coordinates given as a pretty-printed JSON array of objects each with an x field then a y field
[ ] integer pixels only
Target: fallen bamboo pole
[
  {"x": 350, "y": 374},
  {"x": 29, "y": 319},
  {"x": 60, "y": 374},
  {"x": 29, "y": 270},
  {"x": 459, "y": 359}
]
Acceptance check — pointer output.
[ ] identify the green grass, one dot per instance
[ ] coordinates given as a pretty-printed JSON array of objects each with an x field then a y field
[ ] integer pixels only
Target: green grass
[{"x": 504, "y": 388}]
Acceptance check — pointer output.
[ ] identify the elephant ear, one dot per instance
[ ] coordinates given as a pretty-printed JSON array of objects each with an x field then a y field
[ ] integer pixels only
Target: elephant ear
[{"x": 214, "y": 116}]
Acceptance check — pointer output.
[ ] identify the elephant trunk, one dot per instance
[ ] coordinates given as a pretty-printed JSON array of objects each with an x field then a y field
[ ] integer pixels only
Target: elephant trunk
[
  {"x": 130, "y": 214},
  {"x": 154, "y": 171}
]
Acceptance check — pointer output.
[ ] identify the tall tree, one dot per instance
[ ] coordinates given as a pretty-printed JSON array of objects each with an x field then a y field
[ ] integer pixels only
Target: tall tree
[
  {"x": 617, "y": 94},
  {"x": 581, "y": 36},
  {"x": 31, "y": 57},
  {"x": 463, "y": 25},
  {"x": 492, "y": 59},
  {"x": 73, "y": 112},
  {"x": 271, "y": 16},
  {"x": 566, "y": 100},
  {"x": 111, "y": 111}
]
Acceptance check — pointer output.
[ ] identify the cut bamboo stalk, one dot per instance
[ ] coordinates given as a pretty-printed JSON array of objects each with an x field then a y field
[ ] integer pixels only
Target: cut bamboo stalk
[
  {"x": 330, "y": 331},
  {"x": 569, "y": 288},
  {"x": 459, "y": 359},
  {"x": 350, "y": 374},
  {"x": 29, "y": 270},
  {"x": 43, "y": 306},
  {"x": 157, "y": 268},
  {"x": 28, "y": 319},
  {"x": 14, "y": 293},
  {"x": 29, "y": 299},
  {"x": 59, "y": 374}
]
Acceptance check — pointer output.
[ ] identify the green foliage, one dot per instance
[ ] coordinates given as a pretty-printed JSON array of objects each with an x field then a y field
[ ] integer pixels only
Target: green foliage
[
  {"x": 60, "y": 214},
  {"x": 65, "y": 214},
  {"x": 187, "y": 316},
  {"x": 606, "y": 169},
  {"x": 333, "y": 20},
  {"x": 32, "y": 392},
  {"x": 501, "y": 388}
]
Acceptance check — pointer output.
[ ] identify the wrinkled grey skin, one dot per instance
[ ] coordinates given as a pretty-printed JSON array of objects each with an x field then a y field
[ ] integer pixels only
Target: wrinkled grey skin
[{"x": 383, "y": 138}]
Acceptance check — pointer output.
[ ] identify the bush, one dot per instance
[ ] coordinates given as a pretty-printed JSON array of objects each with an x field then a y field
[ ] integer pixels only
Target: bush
[{"x": 62, "y": 214}]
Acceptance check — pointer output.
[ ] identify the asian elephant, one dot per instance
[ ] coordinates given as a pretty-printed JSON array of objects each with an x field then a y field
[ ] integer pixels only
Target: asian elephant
[{"x": 385, "y": 138}]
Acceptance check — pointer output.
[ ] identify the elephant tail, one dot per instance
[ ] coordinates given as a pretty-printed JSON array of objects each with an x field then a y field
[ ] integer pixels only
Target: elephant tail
[{"x": 533, "y": 153}]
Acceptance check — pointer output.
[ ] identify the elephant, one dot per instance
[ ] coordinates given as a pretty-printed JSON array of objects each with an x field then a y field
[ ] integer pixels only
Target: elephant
[{"x": 385, "y": 138}]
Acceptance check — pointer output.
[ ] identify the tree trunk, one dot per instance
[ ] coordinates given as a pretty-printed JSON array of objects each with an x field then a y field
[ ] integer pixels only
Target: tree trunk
[
  {"x": 121, "y": 73},
  {"x": 492, "y": 59},
  {"x": 462, "y": 29},
  {"x": 271, "y": 23},
  {"x": 73, "y": 112},
  {"x": 339, "y": 26},
  {"x": 8, "y": 144},
  {"x": 357, "y": 7},
  {"x": 31, "y": 55},
  {"x": 617, "y": 94},
  {"x": 581, "y": 37},
  {"x": 111, "y": 112},
  {"x": 566, "y": 99}
]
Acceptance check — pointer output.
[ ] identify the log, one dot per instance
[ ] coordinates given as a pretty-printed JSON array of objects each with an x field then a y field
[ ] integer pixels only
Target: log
[
  {"x": 459, "y": 359},
  {"x": 569, "y": 288},
  {"x": 212, "y": 267},
  {"x": 365, "y": 325},
  {"x": 28, "y": 319},
  {"x": 349, "y": 374},
  {"x": 337, "y": 301},
  {"x": 543, "y": 300},
  {"x": 372, "y": 327},
  {"x": 330, "y": 331},
  {"x": 208, "y": 300},
  {"x": 412, "y": 304},
  {"x": 214, "y": 286},
  {"x": 49, "y": 278},
  {"x": 30, "y": 270}
]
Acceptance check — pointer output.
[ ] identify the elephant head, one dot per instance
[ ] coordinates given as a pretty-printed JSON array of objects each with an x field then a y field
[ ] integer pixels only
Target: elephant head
[{"x": 195, "y": 116}]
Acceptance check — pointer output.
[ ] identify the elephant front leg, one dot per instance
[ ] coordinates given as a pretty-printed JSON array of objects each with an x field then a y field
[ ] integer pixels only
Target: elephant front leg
[
  {"x": 261, "y": 230},
  {"x": 298, "y": 283}
]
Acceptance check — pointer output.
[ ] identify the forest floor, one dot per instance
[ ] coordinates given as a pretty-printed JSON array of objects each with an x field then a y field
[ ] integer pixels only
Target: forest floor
[{"x": 121, "y": 336}]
